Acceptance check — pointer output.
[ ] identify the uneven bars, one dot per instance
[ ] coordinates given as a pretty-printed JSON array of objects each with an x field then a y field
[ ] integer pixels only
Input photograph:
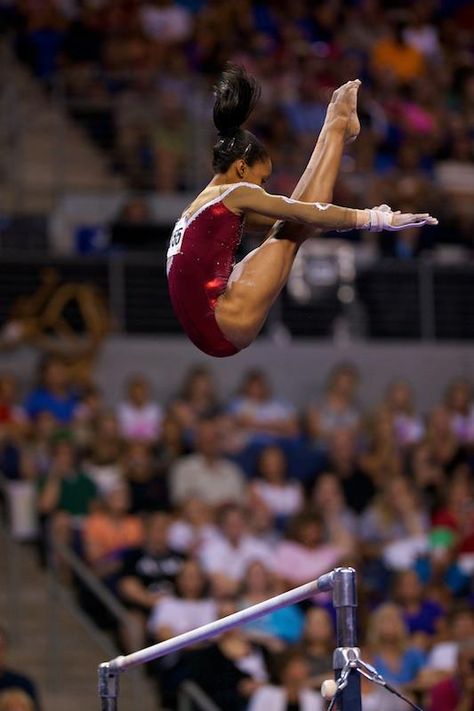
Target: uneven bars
[
  {"x": 142, "y": 656},
  {"x": 109, "y": 671}
]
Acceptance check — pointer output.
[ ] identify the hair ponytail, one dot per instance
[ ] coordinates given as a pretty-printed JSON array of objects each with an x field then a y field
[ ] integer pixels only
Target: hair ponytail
[{"x": 236, "y": 94}]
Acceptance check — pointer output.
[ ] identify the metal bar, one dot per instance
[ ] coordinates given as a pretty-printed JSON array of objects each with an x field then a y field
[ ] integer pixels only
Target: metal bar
[
  {"x": 142, "y": 656},
  {"x": 345, "y": 603}
]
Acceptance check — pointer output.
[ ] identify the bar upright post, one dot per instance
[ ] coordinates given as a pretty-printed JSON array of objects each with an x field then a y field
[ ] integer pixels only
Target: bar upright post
[
  {"x": 345, "y": 603},
  {"x": 108, "y": 686}
]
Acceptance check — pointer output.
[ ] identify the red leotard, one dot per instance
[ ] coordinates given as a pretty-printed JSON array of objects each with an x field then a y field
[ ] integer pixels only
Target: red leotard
[{"x": 201, "y": 257}]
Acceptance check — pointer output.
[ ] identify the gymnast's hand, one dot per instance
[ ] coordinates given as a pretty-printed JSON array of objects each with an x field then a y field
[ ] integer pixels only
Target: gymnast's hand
[{"x": 383, "y": 218}]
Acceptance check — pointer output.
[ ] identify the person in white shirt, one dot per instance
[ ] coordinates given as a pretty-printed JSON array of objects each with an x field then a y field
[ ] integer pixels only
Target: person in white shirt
[
  {"x": 443, "y": 655},
  {"x": 259, "y": 415},
  {"x": 205, "y": 474},
  {"x": 399, "y": 402},
  {"x": 139, "y": 417},
  {"x": 293, "y": 691},
  {"x": 193, "y": 528},
  {"x": 227, "y": 557},
  {"x": 272, "y": 488},
  {"x": 188, "y": 609}
]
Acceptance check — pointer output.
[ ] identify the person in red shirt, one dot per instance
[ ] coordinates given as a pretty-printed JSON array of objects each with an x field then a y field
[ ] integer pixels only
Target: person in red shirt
[{"x": 457, "y": 692}]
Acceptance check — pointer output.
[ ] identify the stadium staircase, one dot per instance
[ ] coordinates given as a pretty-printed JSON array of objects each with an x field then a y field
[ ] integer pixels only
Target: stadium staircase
[
  {"x": 43, "y": 152},
  {"x": 49, "y": 644}
]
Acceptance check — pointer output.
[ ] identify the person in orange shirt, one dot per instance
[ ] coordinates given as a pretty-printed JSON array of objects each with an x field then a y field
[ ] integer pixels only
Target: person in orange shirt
[
  {"x": 393, "y": 54},
  {"x": 111, "y": 531}
]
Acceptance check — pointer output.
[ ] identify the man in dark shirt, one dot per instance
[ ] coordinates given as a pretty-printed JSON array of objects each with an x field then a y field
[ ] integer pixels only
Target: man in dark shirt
[
  {"x": 10, "y": 679},
  {"x": 149, "y": 572}
]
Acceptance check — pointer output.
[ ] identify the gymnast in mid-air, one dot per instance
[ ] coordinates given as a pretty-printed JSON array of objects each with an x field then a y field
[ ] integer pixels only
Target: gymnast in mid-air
[{"x": 223, "y": 305}]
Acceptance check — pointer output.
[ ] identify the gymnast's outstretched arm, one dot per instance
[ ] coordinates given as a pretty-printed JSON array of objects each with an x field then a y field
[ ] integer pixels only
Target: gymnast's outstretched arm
[{"x": 320, "y": 215}]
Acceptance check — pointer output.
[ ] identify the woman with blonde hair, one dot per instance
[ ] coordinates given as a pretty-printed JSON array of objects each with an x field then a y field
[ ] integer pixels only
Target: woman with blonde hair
[{"x": 389, "y": 645}]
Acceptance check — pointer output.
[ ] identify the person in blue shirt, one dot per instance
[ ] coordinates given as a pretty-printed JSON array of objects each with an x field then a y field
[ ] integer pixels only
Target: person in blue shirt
[
  {"x": 54, "y": 393},
  {"x": 390, "y": 648},
  {"x": 422, "y": 616},
  {"x": 277, "y": 629}
]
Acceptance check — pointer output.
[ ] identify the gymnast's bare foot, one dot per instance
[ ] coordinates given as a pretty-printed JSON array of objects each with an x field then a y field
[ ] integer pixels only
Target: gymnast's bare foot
[{"x": 342, "y": 110}]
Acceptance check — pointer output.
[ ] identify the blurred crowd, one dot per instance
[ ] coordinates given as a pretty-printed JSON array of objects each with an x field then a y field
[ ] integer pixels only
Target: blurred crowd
[
  {"x": 192, "y": 508},
  {"x": 139, "y": 74}
]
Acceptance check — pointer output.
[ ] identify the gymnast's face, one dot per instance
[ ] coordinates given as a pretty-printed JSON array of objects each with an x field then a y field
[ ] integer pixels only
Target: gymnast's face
[{"x": 258, "y": 173}]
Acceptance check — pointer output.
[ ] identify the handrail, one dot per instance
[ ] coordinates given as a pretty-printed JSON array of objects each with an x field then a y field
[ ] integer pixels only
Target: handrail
[
  {"x": 86, "y": 576},
  {"x": 190, "y": 693}
]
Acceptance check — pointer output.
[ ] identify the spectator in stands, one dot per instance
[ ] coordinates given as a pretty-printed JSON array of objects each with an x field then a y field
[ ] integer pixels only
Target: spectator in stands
[
  {"x": 263, "y": 418},
  {"x": 338, "y": 410},
  {"x": 318, "y": 645},
  {"x": 206, "y": 474},
  {"x": 446, "y": 449},
  {"x": 422, "y": 616},
  {"x": 439, "y": 567},
  {"x": 293, "y": 690},
  {"x": 148, "y": 485},
  {"x": 12, "y": 415},
  {"x": 457, "y": 692},
  {"x": 41, "y": 440},
  {"x": 375, "y": 697},
  {"x": 13, "y": 680},
  {"x": 87, "y": 414},
  {"x": 394, "y": 57},
  {"x": 277, "y": 629},
  {"x": 227, "y": 557},
  {"x": 343, "y": 461},
  {"x": 193, "y": 526},
  {"x": 139, "y": 417},
  {"x": 457, "y": 516},
  {"x": 197, "y": 399},
  {"x": 148, "y": 573},
  {"x": 460, "y": 406},
  {"x": 171, "y": 445},
  {"x": 66, "y": 489},
  {"x": 459, "y": 628},
  {"x": 383, "y": 457},
  {"x": 230, "y": 669},
  {"x": 66, "y": 495},
  {"x": 189, "y": 608},
  {"x": 111, "y": 531},
  {"x": 428, "y": 477},
  {"x": 271, "y": 488},
  {"x": 171, "y": 144},
  {"x": 102, "y": 461},
  {"x": 392, "y": 655},
  {"x": 175, "y": 614},
  {"x": 407, "y": 424},
  {"x": 304, "y": 556},
  {"x": 328, "y": 502},
  {"x": 394, "y": 526},
  {"x": 54, "y": 394}
]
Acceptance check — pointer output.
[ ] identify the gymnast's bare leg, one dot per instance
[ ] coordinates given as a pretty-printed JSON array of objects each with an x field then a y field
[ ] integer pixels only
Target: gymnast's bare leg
[{"x": 259, "y": 278}]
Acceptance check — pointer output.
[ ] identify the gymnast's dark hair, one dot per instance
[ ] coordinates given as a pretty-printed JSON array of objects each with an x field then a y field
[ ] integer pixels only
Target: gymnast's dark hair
[{"x": 236, "y": 95}]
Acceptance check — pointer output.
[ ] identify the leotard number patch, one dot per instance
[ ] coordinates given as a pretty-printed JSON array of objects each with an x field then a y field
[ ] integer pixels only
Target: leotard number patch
[{"x": 176, "y": 238}]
